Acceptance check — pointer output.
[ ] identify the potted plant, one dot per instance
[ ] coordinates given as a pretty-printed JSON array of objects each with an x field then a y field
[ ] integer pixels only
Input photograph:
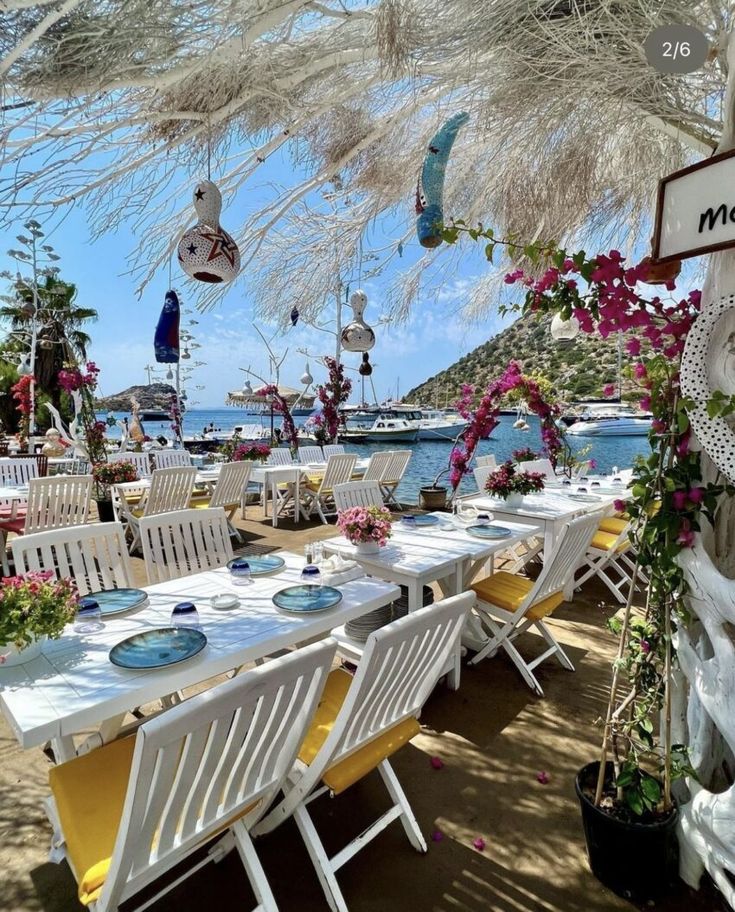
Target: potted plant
[
  {"x": 510, "y": 483},
  {"x": 105, "y": 475},
  {"x": 33, "y": 607},
  {"x": 525, "y": 454},
  {"x": 367, "y": 528},
  {"x": 255, "y": 452}
]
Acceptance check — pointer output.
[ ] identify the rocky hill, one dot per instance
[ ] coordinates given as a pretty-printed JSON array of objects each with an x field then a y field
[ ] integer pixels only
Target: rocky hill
[
  {"x": 155, "y": 396},
  {"x": 577, "y": 371}
]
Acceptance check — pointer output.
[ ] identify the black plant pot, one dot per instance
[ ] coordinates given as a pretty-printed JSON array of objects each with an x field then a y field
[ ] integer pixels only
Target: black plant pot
[
  {"x": 638, "y": 861},
  {"x": 432, "y": 498},
  {"x": 105, "y": 511}
]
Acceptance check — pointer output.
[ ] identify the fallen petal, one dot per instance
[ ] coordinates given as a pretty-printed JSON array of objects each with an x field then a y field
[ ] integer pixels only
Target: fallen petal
[
  {"x": 437, "y": 763},
  {"x": 479, "y": 844},
  {"x": 543, "y": 777},
  {"x": 437, "y": 836}
]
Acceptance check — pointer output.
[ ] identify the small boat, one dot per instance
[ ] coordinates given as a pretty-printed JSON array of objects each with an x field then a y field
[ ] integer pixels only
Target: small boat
[
  {"x": 611, "y": 421},
  {"x": 392, "y": 429},
  {"x": 434, "y": 425},
  {"x": 154, "y": 415}
]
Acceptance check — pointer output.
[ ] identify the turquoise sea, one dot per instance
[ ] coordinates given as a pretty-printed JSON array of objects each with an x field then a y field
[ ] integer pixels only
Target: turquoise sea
[{"x": 430, "y": 457}]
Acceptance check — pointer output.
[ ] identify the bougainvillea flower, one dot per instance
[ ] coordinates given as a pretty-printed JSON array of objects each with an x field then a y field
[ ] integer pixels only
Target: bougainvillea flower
[
  {"x": 437, "y": 763},
  {"x": 543, "y": 777},
  {"x": 479, "y": 844}
]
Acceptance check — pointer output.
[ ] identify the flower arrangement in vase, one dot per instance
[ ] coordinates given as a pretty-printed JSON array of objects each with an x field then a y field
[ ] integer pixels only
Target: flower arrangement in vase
[
  {"x": 33, "y": 607},
  {"x": 255, "y": 452},
  {"x": 525, "y": 454},
  {"x": 368, "y": 528},
  {"x": 111, "y": 473},
  {"x": 510, "y": 483}
]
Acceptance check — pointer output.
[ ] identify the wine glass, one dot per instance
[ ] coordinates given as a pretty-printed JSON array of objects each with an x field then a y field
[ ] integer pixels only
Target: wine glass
[
  {"x": 240, "y": 571},
  {"x": 185, "y": 614},
  {"x": 88, "y": 618}
]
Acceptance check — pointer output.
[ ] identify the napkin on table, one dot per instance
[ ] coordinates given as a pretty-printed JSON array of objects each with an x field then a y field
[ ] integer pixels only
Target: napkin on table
[{"x": 335, "y": 570}]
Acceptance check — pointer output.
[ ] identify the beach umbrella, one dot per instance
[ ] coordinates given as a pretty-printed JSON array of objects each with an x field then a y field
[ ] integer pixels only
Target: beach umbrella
[{"x": 166, "y": 338}]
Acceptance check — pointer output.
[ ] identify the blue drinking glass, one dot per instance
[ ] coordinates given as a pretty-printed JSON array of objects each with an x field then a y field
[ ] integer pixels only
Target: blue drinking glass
[
  {"x": 409, "y": 521},
  {"x": 310, "y": 574},
  {"x": 240, "y": 572},
  {"x": 483, "y": 519},
  {"x": 185, "y": 614},
  {"x": 88, "y": 618}
]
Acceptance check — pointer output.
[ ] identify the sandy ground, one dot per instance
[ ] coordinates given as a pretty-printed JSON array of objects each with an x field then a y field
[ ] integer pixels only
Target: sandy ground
[{"x": 493, "y": 736}]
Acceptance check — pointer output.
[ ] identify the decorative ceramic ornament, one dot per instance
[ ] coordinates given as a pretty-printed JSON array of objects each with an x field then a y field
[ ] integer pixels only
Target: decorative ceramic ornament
[
  {"x": 207, "y": 252},
  {"x": 430, "y": 188},
  {"x": 306, "y": 377},
  {"x": 53, "y": 445},
  {"x": 166, "y": 338},
  {"x": 708, "y": 364},
  {"x": 564, "y": 331},
  {"x": 294, "y": 316},
  {"x": 366, "y": 368},
  {"x": 357, "y": 336}
]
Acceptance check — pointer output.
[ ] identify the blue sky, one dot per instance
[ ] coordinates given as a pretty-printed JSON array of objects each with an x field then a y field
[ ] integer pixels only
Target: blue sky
[{"x": 432, "y": 339}]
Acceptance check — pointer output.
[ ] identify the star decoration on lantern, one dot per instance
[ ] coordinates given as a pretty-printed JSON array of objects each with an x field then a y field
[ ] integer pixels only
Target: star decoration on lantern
[
  {"x": 199, "y": 193},
  {"x": 221, "y": 244},
  {"x": 192, "y": 249}
]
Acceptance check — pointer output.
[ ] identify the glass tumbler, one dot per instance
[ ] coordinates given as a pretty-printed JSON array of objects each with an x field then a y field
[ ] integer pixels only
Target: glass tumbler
[
  {"x": 240, "y": 572},
  {"x": 88, "y": 618},
  {"x": 185, "y": 614}
]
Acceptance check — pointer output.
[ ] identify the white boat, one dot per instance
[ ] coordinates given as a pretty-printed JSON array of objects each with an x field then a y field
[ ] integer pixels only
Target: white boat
[
  {"x": 391, "y": 429},
  {"x": 611, "y": 421},
  {"x": 435, "y": 425}
]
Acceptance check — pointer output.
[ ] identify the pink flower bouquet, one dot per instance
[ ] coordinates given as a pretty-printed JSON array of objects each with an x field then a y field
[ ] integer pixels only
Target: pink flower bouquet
[
  {"x": 365, "y": 525},
  {"x": 507, "y": 480}
]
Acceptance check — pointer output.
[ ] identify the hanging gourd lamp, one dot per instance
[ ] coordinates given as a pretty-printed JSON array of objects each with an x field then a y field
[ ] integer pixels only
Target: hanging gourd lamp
[
  {"x": 247, "y": 389},
  {"x": 564, "y": 331},
  {"x": 366, "y": 368},
  {"x": 306, "y": 377}
]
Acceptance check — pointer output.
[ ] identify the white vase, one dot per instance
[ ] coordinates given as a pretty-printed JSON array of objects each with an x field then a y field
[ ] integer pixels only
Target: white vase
[
  {"x": 11, "y": 655},
  {"x": 514, "y": 500},
  {"x": 370, "y": 547}
]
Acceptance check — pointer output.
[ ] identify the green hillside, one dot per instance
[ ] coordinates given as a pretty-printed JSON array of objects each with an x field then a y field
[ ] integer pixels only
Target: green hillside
[{"x": 577, "y": 371}]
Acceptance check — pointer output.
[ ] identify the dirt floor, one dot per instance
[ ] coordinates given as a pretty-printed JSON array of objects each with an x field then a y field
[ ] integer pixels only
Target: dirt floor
[{"x": 493, "y": 736}]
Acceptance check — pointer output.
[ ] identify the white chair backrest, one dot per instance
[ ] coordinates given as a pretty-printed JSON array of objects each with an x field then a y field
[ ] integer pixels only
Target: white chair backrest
[
  {"x": 184, "y": 542},
  {"x": 398, "y": 670},
  {"x": 61, "y": 500},
  {"x": 339, "y": 470},
  {"x": 70, "y": 466},
  {"x": 311, "y": 454},
  {"x": 17, "y": 471},
  {"x": 280, "y": 456},
  {"x": 481, "y": 473},
  {"x": 357, "y": 494},
  {"x": 165, "y": 459},
  {"x": 538, "y": 465},
  {"x": 488, "y": 460},
  {"x": 570, "y": 548},
  {"x": 170, "y": 489},
  {"x": 141, "y": 461},
  {"x": 232, "y": 480},
  {"x": 94, "y": 555},
  {"x": 202, "y": 764},
  {"x": 377, "y": 466},
  {"x": 397, "y": 466},
  {"x": 583, "y": 468},
  {"x": 333, "y": 449}
]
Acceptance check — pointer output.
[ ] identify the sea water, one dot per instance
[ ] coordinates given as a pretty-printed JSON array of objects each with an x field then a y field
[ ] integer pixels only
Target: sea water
[{"x": 429, "y": 457}]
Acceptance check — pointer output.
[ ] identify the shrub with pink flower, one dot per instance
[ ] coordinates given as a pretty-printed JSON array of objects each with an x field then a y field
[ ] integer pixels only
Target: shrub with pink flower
[
  {"x": 365, "y": 524},
  {"x": 251, "y": 451},
  {"x": 34, "y": 605},
  {"x": 507, "y": 479}
]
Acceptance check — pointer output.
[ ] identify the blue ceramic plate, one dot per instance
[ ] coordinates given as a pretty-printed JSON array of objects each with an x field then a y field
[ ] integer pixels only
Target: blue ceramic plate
[
  {"x": 492, "y": 533},
  {"x": 422, "y": 519},
  {"x": 260, "y": 564},
  {"x": 158, "y": 648},
  {"x": 115, "y": 601},
  {"x": 302, "y": 599},
  {"x": 584, "y": 498}
]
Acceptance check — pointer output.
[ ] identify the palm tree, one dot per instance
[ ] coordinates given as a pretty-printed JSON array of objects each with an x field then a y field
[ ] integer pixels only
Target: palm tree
[{"x": 60, "y": 335}]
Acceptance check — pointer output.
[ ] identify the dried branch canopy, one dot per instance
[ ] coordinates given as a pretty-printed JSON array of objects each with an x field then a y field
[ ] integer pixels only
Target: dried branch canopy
[{"x": 110, "y": 103}]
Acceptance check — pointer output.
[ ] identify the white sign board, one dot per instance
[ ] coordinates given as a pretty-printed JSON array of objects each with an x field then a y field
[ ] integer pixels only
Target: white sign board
[{"x": 696, "y": 210}]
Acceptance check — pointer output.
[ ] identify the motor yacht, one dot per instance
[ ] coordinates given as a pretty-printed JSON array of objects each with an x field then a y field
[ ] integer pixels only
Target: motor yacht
[{"x": 612, "y": 420}]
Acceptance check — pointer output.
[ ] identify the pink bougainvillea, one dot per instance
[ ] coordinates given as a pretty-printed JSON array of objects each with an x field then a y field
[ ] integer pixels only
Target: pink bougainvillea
[
  {"x": 334, "y": 393},
  {"x": 290, "y": 431}
]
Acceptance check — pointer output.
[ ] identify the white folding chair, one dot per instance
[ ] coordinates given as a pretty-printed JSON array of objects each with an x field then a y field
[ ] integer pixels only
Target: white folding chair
[
  {"x": 184, "y": 542},
  {"x": 333, "y": 449},
  {"x": 95, "y": 555},
  {"x": 509, "y": 605},
  {"x": 13, "y": 473},
  {"x": 53, "y": 502},
  {"x": 280, "y": 456},
  {"x": 229, "y": 492},
  {"x": 166, "y": 459},
  {"x": 609, "y": 551},
  {"x": 207, "y": 768},
  {"x": 362, "y": 721},
  {"x": 357, "y": 494},
  {"x": 312, "y": 454},
  {"x": 378, "y": 465},
  {"x": 170, "y": 490},
  {"x": 141, "y": 461},
  {"x": 393, "y": 476},
  {"x": 543, "y": 466},
  {"x": 318, "y": 493},
  {"x": 481, "y": 473},
  {"x": 488, "y": 460}
]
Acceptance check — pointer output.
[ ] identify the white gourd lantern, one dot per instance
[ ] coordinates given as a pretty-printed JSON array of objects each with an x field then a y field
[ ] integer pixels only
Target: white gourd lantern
[
  {"x": 564, "y": 331},
  {"x": 206, "y": 251},
  {"x": 357, "y": 336}
]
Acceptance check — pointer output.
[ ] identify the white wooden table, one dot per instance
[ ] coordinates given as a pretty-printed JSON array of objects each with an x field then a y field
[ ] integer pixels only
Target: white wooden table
[
  {"x": 73, "y": 686},
  {"x": 416, "y": 557}
]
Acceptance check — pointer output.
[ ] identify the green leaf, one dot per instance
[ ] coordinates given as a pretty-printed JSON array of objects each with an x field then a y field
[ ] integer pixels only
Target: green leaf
[
  {"x": 489, "y": 251},
  {"x": 651, "y": 789},
  {"x": 634, "y": 802}
]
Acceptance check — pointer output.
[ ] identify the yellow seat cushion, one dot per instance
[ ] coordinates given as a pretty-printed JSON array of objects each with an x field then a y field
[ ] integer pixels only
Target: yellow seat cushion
[
  {"x": 507, "y": 591},
  {"x": 603, "y": 541},
  {"x": 89, "y": 792},
  {"x": 350, "y": 770},
  {"x": 614, "y": 524}
]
